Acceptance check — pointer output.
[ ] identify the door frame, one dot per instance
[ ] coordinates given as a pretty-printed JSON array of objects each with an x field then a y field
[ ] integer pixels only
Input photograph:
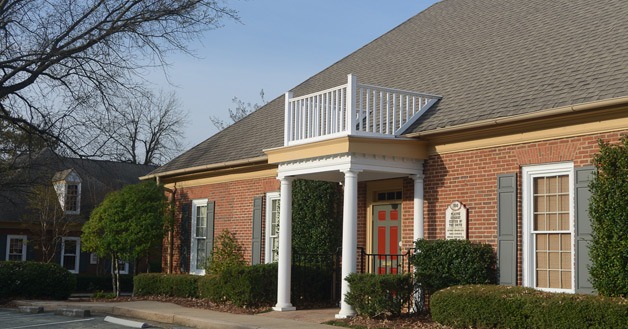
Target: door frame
[{"x": 372, "y": 188}]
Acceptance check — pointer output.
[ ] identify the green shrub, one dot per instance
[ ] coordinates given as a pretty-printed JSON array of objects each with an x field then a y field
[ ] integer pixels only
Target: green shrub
[
  {"x": 35, "y": 280},
  {"x": 316, "y": 216},
  {"x": 489, "y": 306},
  {"x": 173, "y": 285},
  {"x": 379, "y": 295},
  {"x": 444, "y": 263},
  {"x": 227, "y": 253},
  {"x": 244, "y": 286},
  {"x": 93, "y": 283},
  {"x": 609, "y": 220}
]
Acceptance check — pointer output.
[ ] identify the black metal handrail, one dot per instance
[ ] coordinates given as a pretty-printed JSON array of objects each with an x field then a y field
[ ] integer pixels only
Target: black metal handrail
[{"x": 385, "y": 263}]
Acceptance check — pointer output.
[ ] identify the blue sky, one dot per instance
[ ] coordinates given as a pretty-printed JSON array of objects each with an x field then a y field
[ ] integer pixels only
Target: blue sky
[{"x": 279, "y": 44}]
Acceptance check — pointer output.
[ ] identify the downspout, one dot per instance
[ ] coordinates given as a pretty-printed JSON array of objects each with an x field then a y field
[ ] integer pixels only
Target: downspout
[{"x": 171, "y": 222}]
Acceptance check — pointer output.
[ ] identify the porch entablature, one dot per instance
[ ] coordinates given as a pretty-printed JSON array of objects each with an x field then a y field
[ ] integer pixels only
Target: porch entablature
[
  {"x": 352, "y": 109},
  {"x": 331, "y": 168},
  {"x": 388, "y": 148}
]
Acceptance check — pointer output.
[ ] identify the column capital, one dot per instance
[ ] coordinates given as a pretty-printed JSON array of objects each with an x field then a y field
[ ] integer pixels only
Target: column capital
[
  {"x": 418, "y": 177},
  {"x": 286, "y": 178},
  {"x": 351, "y": 171}
]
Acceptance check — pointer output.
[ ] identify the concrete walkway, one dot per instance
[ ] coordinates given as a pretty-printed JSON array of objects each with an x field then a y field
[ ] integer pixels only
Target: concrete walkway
[{"x": 196, "y": 318}]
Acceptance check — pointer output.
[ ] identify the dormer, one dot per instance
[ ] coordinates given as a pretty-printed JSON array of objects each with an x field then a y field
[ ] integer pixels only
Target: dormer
[{"x": 67, "y": 184}]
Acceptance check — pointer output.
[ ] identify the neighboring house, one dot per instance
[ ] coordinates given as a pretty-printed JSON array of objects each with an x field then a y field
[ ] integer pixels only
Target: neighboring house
[
  {"x": 473, "y": 119},
  {"x": 44, "y": 204}
]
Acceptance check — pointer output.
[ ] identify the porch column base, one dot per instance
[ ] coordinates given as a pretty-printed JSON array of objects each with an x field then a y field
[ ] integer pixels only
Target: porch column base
[
  {"x": 347, "y": 315},
  {"x": 285, "y": 308}
]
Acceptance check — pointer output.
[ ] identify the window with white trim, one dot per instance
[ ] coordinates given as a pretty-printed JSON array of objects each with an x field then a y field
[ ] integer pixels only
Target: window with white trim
[
  {"x": 548, "y": 227},
  {"x": 93, "y": 258},
  {"x": 198, "y": 257},
  {"x": 72, "y": 198},
  {"x": 16, "y": 248},
  {"x": 272, "y": 228},
  {"x": 122, "y": 266},
  {"x": 70, "y": 253}
]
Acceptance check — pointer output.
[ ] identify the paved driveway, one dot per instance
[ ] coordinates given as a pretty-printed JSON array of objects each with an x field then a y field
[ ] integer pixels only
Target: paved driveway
[{"x": 12, "y": 319}]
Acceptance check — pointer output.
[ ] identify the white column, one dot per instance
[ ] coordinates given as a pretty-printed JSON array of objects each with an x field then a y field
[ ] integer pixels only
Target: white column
[
  {"x": 418, "y": 204},
  {"x": 285, "y": 247},
  {"x": 349, "y": 238}
]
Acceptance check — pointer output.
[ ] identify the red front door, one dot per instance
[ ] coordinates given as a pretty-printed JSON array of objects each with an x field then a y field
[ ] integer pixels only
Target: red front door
[{"x": 386, "y": 237}]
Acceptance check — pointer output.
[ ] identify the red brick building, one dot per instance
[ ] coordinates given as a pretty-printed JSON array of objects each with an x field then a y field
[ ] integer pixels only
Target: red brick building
[{"x": 492, "y": 109}]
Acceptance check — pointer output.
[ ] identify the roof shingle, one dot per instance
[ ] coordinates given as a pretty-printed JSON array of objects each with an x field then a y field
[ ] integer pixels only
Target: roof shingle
[{"x": 487, "y": 58}]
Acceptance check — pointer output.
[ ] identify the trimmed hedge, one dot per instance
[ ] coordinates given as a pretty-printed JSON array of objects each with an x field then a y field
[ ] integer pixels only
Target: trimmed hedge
[
  {"x": 174, "y": 285},
  {"x": 379, "y": 295},
  {"x": 35, "y": 280},
  {"x": 93, "y": 283},
  {"x": 489, "y": 306},
  {"x": 445, "y": 263},
  {"x": 244, "y": 286}
]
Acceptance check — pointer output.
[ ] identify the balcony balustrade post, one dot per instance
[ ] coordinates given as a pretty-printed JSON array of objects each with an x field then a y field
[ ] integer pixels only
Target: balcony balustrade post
[
  {"x": 352, "y": 83},
  {"x": 287, "y": 124}
]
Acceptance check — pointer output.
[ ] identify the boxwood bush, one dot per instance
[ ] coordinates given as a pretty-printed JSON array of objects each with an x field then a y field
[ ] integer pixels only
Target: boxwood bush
[
  {"x": 35, "y": 280},
  {"x": 376, "y": 295},
  {"x": 173, "y": 285},
  {"x": 443, "y": 263},
  {"x": 244, "y": 286},
  {"x": 490, "y": 306}
]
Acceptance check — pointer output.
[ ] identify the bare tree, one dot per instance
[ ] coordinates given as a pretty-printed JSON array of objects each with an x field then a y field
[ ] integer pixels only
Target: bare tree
[
  {"x": 58, "y": 55},
  {"x": 241, "y": 110},
  {"x": 140, "y": 127},
  {"x": 46, "y": 221}
]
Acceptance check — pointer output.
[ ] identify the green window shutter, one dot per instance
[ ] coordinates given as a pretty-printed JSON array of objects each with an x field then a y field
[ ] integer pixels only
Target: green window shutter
[
  {"x": 583, "y": 176},
  {"x": 256, "y": 249},
  {"x": 507, "y": 228},
  {"x": 186, "y": 222},
  {"x": 209, "y": 243}
]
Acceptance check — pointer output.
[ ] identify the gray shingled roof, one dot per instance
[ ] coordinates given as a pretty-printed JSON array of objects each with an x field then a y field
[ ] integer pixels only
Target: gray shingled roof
[
  {"x": 487, "y": 58},
  {"x": 97, "y": 178}
]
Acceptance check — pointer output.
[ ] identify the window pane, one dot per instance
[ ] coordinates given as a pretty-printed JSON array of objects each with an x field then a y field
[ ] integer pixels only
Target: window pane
[
  {"x": 71, "y": 197},
  {"x": 201, "y": 254},
  {"x": 69, "y": 262},
  {"x": 201, "y": 221},
  {"x": 540, "y": 223},
  {"x": 553, "y": 260},
  {"x": 16, "y": 249}
]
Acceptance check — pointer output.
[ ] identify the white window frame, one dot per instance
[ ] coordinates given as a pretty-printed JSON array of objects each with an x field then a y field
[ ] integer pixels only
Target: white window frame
[
  {"x": 16, "y": 237},
  {"x": 528, "y": 174},
  {"x": 93, "y": 258},
  {"x": 77, "y": 258},
  {"x": 78, "y": 198},
  {"x": 268, "y": 255},
  {"x": 193, "y": 239},
  {"x": 124, "y": 267}
]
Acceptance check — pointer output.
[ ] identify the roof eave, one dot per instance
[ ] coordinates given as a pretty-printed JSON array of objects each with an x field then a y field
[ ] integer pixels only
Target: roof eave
[
  {"x": 213, "y": 166},
  {"x": 607, "y": 103}
]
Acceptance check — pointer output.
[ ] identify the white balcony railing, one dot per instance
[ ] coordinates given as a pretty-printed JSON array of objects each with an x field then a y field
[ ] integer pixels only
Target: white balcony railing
[{"x": 352, "y": 109}]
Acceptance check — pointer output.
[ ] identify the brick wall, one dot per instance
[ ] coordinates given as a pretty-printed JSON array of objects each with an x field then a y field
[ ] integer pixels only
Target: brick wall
[
  {"x": 471, "y": 178},
  {"x": 233, "y": 211}
]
